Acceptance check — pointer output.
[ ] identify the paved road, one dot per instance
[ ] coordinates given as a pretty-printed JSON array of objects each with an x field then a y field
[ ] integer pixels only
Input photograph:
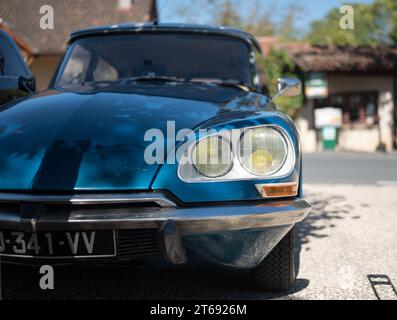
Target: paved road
[
  {"x": 349, "y": 242},
  {"x": 347, "y": 246},
  {"x": 350, "y": 168}
]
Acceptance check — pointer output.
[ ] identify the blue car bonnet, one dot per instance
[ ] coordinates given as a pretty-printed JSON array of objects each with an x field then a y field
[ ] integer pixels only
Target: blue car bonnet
[{"x": 93, "y": 139}]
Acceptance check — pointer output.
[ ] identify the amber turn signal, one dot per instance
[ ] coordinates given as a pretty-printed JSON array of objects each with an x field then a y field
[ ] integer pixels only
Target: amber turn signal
[{"x": 278, "y": 190}]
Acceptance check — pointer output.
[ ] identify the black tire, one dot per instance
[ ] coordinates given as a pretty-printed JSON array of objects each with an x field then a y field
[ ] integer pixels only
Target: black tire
[{"x": 277, "y": 271}]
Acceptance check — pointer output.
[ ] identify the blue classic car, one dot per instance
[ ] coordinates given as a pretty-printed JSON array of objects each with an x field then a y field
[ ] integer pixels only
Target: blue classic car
[{"x": 154, "y": 143}]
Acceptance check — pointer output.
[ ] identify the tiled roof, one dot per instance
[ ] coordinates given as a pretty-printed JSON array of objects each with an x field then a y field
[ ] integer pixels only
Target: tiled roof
[
  {"x": 338, "y": 58},
  {"x": 22, "y": 18},
  {"x": 345, "y": 59}
]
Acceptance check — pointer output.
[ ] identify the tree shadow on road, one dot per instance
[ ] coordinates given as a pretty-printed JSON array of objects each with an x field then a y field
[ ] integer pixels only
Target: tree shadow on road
[{"x": 327, "y": 211}]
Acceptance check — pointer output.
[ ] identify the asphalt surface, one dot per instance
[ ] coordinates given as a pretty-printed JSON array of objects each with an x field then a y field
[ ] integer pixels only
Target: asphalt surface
[
  {"x": 350, "y": 168},
  {"x": 347, "y": 247}
]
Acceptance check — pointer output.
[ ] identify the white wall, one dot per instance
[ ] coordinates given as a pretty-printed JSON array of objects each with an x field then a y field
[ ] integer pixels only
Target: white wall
[{"x": 366, "y": 140}]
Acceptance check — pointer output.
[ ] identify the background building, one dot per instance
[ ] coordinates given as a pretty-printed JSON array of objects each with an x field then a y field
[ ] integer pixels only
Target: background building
[
  {"x": 44, "y": 48},
  {"x": 358, "y": 80}
]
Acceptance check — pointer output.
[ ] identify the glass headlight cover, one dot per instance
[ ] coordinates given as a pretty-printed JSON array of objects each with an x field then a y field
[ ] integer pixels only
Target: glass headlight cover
[
  {"x": 262, "y": 150},
  {"x": 251, "y": 153},
  {"x": 212, "y": 157}
]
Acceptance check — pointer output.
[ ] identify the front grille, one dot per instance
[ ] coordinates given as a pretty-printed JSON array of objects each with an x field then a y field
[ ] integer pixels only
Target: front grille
[{"x": 137, "y": 243}]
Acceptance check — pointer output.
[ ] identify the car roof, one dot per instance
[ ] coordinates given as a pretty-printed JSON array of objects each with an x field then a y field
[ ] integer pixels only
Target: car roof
[{"x": 166, "y": 27}]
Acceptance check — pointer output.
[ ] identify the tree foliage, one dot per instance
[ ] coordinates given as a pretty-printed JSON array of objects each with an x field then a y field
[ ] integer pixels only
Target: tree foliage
[
  {"x": 227, "y": 15},
  {"x": 386, "y": 16},
  {"x": 255, "y": 16},
  {"x": 277, "y": 64},
  {"x": 257, "y": 20},
  {"x": 374, "y": 24}
]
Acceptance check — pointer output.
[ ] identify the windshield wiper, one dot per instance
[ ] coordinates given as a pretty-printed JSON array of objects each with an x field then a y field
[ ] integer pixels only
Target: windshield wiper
[
  {"x": 228, "y": 83},
  {"x": 137, "y": 79},
  {"x": 152, "y": 78}
]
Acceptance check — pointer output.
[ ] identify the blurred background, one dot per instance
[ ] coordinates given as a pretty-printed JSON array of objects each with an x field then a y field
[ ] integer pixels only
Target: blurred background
[
  {"x": 346, "y": 116},
  {"x": 349, "y": 101}
]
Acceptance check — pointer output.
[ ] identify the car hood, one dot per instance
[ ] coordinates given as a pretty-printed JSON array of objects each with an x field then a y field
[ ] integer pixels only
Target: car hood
[{"x": 93, "y": 139}]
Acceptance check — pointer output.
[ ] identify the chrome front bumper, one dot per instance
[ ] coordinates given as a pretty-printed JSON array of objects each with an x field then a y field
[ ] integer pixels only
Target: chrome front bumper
[
  {"x": 232, "y": 234},
  {"x": 189, "y": 220}
]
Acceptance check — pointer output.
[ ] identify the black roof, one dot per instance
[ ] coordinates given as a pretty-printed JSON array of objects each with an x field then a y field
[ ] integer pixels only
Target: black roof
[{"x": 166, "y": 27}]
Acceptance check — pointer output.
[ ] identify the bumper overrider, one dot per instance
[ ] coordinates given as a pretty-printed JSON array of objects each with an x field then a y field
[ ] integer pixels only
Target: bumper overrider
[{"x": 237, "y": 234}]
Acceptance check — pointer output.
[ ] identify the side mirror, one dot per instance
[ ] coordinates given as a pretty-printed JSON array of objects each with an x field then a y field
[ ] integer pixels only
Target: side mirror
[
  {"x": 288, "y": 87},
  {"x": 27, "y": 84}
]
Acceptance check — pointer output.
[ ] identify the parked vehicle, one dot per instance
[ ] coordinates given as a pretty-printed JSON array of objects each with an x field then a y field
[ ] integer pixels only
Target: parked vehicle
[
  {"x": 83, "y": 176},
  {"x": 15, "y": 77}
]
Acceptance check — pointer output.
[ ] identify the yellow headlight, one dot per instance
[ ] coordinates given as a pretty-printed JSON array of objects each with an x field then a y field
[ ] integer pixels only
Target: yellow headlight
[{"x": 263, "y": 150}]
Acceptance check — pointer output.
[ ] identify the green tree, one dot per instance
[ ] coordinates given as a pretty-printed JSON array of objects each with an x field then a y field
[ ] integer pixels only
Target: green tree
[
  {"x": 385, "y": 15},
  {"x": 259, "y": 19},
  {"x": 374, "y": 24},
  {"x": 277, "y": 64},
  {"x": 228, "y": 15},
  {"x": 287, "y": 25}
]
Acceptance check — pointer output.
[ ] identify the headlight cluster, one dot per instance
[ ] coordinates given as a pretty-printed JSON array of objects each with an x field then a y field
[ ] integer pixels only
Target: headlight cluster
[{"x": 250, "y": 153}]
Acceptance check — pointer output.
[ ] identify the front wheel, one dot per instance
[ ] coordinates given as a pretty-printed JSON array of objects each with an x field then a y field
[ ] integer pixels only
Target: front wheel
[{"x": 277, "y": 271}]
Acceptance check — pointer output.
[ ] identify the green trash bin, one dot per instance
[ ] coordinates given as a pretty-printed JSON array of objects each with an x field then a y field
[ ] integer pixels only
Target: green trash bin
[{"x": 329, "y": 137}]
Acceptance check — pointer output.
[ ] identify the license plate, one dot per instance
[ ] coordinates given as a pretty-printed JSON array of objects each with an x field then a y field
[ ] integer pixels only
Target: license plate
[{"x": 59, "y": 244}]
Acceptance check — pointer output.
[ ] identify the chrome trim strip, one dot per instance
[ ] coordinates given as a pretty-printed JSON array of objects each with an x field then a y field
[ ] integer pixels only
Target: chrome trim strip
[
  {"x": 189, "y": 220},
  {"x": 86, "y": 199}
]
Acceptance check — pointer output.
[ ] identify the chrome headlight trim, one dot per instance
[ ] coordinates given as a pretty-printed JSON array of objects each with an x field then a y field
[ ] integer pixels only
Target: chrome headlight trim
[{"x": 187, "y": 173}]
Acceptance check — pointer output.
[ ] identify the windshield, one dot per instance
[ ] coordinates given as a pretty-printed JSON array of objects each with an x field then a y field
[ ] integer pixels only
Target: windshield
[{"x": 191, "y": 57}]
